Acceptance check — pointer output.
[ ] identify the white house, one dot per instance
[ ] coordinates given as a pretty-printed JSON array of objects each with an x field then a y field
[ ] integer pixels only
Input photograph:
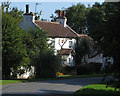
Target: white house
[{"x": 62, "y": 37}]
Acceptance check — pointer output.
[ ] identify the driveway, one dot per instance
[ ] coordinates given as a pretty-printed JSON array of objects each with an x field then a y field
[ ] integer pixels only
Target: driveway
[{"x": 47, "y": 88}]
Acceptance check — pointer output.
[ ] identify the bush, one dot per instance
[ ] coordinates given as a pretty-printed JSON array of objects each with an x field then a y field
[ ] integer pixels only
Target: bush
[
  {"x": 67, "y": 70},
  {"x": 47, "y": 64},
  {"x": 88, "y": 68}
]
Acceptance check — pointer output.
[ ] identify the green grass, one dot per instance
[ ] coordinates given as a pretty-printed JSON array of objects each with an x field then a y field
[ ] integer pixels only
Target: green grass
[
  {"x": 81, "y": 76},
  {"x": 97, "y": 90},
  {"x": 4, "y": 82}
]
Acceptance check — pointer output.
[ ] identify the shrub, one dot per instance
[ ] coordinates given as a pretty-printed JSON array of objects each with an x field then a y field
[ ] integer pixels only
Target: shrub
[
  {"x": 67, "y": 70},
  {"x": 88, "y": 68},
  {"x": 47, "y": 64}
]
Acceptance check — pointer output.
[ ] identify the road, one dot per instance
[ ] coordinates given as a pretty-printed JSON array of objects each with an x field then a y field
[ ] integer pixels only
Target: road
[{"x": 48, "y": 88}]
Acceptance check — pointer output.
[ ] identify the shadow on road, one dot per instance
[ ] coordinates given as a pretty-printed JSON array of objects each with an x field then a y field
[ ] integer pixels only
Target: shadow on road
[{"x": 78, "y": 81}]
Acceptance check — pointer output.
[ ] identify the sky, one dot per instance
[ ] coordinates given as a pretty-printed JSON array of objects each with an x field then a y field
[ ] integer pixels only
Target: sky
[{"x": 47, "y": 8}]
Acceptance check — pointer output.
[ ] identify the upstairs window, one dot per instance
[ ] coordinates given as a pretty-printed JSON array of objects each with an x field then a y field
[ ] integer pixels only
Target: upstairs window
[{"x": 70, "y": 44}]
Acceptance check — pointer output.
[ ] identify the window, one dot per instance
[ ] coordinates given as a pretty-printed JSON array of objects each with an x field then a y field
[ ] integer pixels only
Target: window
[
  {"x": 69, "y": 61},
  {"x": 62, "y": 41},
  {"x": 70, "y": 44}
]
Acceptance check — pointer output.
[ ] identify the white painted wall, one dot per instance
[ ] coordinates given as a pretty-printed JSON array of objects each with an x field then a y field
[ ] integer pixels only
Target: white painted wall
[
  {"x": 60, "y": 42},
  {"x": 64, "y": 42},
  {"x": 67, "y": 60},
  {"x": 28, "y": 22},
  {"x": 97, "y": 59},
  {"x": 27, "y": 73},
  {"x": 62, "y": 21}
]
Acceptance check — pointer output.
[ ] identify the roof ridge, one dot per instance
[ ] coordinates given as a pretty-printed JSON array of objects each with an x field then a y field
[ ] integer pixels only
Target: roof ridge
[{"x": 47, "y": 22}]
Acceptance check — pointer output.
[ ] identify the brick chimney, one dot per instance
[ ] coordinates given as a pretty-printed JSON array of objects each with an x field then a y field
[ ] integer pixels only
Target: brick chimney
[
  {"x": 59, "y": 15},
  {"x": 63, "y": 13},
  {"x": 61, "y": 18}
]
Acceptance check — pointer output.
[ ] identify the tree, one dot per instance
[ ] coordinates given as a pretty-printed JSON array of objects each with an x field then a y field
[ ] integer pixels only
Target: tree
[
  {"x": 53, "y": 18},
  {"x": 35, "y": 41},
  {"x": 76, "y": 16},
  {"x": 95, "y": 16},
  {"x": 83, "y": 47},
  {"x": 47, "y": 64},
  {"x": 106, "y": 33},
  {"x": 37, "y": 15},
  {"x": 14, "y": 52}
]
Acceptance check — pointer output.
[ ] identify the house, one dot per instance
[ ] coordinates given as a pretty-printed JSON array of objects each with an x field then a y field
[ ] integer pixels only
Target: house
[
  {"x": 62, "y": 37},
  {"x": 60, "y": 34}
]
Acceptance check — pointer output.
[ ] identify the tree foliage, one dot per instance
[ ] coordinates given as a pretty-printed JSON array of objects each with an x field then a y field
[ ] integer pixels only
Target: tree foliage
[
  {"x": 35, "y": 41},
  {"x": 106, "y": 32},
  {"x": 14, "y": 53},
  {"x": 76, "y": 16},
  {"x": 82, "y": 48},
  {"x": 47, "y": 64},
  {"x": 19, "y": 48}
]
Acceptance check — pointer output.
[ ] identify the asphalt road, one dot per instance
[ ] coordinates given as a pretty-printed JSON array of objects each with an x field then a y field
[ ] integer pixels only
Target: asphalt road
[{"x": 48, "y": 88}]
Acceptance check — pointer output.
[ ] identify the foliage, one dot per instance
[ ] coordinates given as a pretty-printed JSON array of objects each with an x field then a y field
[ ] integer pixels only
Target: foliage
[
  {"x": 96, "y": 89},
  {"x": 37, "y": 15},
  {"x": 19, "y": 48},
  {"x": 76, "y": 16},
  {"x": 47, "y": 64},
  {"x": 53, "y": 18},
  {"x": 82, "y": 48},
  {"x": 91, "y": 68},
  {"x": 95, "y": 16},
  {"x": 13, "y": 50},
  {"x": 106, "y": 31},
  {"x": 35, "y": 41},
  {"x": 67, "y": 69}
]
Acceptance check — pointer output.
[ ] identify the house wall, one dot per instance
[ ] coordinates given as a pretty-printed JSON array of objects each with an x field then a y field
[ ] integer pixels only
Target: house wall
[
  {"x": 97, "y": 59},
  {"x": 64, "y": 42},
  {"x": 67, "y": 60},
  {"x": 62, "y": 21},
  {"x": 28, "y": 22}
]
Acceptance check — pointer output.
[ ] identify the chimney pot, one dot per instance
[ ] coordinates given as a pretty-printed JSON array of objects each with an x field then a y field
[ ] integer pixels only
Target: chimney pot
[
  {"x": 63, "y": 13},
  {"x": 59, "y": 13},
  {"x": 27, "y": 8}
]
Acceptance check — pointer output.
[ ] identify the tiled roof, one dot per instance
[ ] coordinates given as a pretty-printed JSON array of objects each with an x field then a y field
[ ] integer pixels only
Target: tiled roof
[
  {"x": 55, "y": 29},
  {"x": 65, "y": 51}
]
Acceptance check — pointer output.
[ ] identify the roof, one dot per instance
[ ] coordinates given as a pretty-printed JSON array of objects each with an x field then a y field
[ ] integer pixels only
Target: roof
[
  {"x": 66, "y": 51},
  {"x": 55, "y": 29}
]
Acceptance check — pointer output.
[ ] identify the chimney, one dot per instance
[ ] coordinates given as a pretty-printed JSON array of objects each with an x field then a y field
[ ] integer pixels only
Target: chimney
[
  {"x": 59, "y": 13},
  {"x": 62, "y": 19},
  {"x": 63, "y": 13},
  {"x": 27, "y": 8}
]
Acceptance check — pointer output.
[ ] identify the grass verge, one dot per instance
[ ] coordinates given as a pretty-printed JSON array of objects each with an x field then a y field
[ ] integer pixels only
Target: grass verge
[
  {"x": 4, "y": 82},
  {"x": 97, "y": 90},
  {"x": 81, "y": 76}
]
